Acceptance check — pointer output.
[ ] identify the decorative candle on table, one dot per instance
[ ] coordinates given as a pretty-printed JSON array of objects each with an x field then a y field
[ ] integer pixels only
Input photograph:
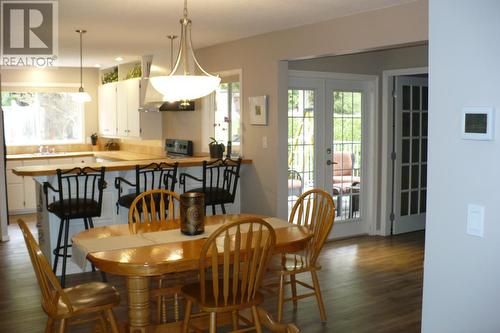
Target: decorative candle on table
[{"x": 192, "y": 206}]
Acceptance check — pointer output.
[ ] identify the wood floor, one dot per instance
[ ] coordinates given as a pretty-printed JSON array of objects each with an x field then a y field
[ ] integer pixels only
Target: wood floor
[{"x": 369, "y": 284}]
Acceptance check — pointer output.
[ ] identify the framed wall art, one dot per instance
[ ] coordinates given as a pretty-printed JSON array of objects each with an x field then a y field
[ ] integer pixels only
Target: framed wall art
[{"x": 258, "y": 110}]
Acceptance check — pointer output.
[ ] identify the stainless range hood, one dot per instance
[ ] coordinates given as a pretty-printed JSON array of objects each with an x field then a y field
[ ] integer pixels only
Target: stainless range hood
[{"x": 151, "y": 99}]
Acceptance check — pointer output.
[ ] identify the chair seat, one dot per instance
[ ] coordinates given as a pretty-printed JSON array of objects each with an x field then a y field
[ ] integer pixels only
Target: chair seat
[
  {"x": 290, "y": 262},
  {"x": 75, "y": 208},
  {"x": 192, "y": 291},
  {"x": 89, "y": 297},
  {"x": 214, "y": 195}
]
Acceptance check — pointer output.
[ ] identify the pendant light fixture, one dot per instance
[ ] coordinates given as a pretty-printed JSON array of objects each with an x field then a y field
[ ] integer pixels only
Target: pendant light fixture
[
  {"x": 183, "y": 83},
  {"x": 81, "y": 96}
]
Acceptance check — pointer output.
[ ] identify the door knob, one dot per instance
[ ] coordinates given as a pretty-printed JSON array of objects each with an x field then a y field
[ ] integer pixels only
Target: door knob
[{"x": 328, "y": 162}]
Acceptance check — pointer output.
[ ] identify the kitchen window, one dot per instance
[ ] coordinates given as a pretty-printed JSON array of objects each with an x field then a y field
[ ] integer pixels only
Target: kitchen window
[
  {"x": 227, "y": 116},
  {"x": 36, "y": 118}
]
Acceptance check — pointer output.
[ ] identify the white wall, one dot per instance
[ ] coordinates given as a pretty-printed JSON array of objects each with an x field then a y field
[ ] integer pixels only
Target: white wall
[{"x": 462, "y": 272}]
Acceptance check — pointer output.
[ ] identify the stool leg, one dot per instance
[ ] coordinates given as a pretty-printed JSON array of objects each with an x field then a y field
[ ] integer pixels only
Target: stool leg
[
  {"x": 213, "y": 209},
  {"x": 91, "y": 223},
  {"x": 223, "y": 208},
  {"x": 58, "y": 246},
  {"x": 85, "y": 223},
  {"x": 65, "y": 253}
]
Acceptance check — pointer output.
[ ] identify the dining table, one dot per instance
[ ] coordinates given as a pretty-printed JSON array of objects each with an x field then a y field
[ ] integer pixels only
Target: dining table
[{"x": 141, "y": 251}]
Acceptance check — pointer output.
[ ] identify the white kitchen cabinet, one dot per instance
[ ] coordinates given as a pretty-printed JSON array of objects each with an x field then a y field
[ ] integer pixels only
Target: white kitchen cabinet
[
  {"x": 127, "y": 111},
  {"x": 133, "y": 102},
  {"x": 108, "y": 109},
  {"x": 119, "y": 114},
  {"x": 15, "y": 194},
  {"x": 21, "y": 190}
]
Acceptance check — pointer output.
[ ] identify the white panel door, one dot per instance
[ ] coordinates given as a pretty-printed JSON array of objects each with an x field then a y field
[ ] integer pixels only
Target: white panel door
[
  {"x": 107, "y": 109},
  {"x": 133, "y": 115},
  {"x": 410, "y": 170}
]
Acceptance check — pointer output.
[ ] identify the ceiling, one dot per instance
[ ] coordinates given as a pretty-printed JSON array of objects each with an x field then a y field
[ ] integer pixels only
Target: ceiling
[{"x": 131, "y": 28}]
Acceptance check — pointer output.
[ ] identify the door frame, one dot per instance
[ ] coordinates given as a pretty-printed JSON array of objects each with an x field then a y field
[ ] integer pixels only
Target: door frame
[
  {"x": 387, "y": 141},
  {"x": 369, "y": 141}
]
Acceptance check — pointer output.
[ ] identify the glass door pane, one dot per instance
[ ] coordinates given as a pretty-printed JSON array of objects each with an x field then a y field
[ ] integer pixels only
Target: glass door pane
[
  {"x": 301, "y": 112},
  {"x": 346, "y": 120}
]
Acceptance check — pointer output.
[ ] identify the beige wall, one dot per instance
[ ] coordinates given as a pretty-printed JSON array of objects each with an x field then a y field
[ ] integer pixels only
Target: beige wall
[
  {"x": 263, "y": 74},
  {"x": 60, "y": 75}
]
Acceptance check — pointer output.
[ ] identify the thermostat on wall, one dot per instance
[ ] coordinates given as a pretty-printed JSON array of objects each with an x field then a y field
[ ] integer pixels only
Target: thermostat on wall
[{"x": 478, "y": 123}]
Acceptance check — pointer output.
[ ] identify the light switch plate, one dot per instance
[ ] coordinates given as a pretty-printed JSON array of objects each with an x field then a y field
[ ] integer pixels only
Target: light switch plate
[{"x": 475, "y": 220}]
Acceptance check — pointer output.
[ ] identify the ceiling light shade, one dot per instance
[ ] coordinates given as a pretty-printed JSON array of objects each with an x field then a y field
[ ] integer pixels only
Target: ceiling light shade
[
  {"x": 81, "y": 95},
  {"x": 187, "y": 79},
  {"x": 184, "y": 87}
]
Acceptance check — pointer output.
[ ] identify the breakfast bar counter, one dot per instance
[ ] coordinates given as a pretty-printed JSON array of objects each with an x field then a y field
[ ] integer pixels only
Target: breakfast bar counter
[{"x": 48, "y": 223}]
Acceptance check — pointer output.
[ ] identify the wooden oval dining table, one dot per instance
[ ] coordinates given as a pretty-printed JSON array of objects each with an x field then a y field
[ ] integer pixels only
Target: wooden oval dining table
[{"x": 138, "y": 264}]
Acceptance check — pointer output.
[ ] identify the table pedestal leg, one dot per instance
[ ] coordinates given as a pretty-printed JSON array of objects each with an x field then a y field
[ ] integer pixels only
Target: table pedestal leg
[{"x": 138, "y": 303}]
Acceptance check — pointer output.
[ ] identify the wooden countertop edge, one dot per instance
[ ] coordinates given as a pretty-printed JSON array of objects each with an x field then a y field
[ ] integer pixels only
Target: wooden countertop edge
[{"x": 47, "y": 170}]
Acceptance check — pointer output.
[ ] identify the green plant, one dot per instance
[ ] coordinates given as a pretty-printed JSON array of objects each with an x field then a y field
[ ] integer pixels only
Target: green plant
[
  {"x": 134, "y": 72},
  {"x": 213, "y": 141},
  {"x": 110, "y": 76}
]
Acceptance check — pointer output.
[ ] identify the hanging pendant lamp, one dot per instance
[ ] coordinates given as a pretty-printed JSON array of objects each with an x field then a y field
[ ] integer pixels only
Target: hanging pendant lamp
[
  {"x": 81, "y": 95},
  {"x": 183, "y": 83}
]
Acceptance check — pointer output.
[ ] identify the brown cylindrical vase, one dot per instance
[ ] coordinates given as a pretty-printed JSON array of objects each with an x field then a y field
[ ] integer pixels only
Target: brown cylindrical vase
[{"x": 192, "y": 206}]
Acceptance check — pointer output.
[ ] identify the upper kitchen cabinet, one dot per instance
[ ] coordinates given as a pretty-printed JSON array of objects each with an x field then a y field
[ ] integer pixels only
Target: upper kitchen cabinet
[
  {"x": 128, "y": 121},
  {"x": 128, "y": 102},
  {"x": 107, "y": 109}
]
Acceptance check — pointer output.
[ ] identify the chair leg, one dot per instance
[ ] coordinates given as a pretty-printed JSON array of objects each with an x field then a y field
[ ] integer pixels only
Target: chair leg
[
  {"x": 85, "y": 223},
  {"x": 62, "y": 326},
  {"x": 223, "y": 208},
  {"x": 50, "y": 325},
  {"x": 65, "y": 253},
  {"x": 256, "y": 319},
  {"x": 281, "y": 296},
  {"x": 58, "y": 246},
  {"x": 104, "y": 323},
  {"x": 213, "y": 209},
  {"x": 319, "y": 298},
  {"x": 293, "y": 285},
  {"x": 213, "y": 322},
  {"x": 235, "y": 320},
  {"x": 187, "y": 316},
  {"x": 112, "y": 321}
]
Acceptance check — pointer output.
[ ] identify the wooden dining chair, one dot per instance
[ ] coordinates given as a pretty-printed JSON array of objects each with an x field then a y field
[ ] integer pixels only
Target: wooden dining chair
[
  {"x": 154, "y": 210},
  {"x": 315, "y": 210},
  {"x": 70, "y": 305},
  {"x": 232, "y": 263}
]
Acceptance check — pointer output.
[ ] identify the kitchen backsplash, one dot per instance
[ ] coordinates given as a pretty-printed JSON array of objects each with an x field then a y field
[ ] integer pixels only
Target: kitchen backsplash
[{"x": 14, "y": 150}]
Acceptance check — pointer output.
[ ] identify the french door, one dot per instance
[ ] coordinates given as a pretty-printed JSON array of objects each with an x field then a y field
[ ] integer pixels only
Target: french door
[
  {"x": 327, "y": 134},
  {"x": 410, "y": 167}
]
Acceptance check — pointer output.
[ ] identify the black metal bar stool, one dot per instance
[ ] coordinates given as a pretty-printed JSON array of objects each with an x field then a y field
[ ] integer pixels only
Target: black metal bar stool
[
  {"x": 78, "y": 196},
  {"x": 153, "y": 176},
  {"x": 219, "y": 182}
]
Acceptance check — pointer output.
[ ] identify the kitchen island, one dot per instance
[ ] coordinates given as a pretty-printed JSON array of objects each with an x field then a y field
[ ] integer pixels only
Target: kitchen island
[{"x": 48, "y": 224}]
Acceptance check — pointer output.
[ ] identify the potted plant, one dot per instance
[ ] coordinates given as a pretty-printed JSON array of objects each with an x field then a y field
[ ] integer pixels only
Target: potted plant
[
  {"x": 216, "y": 148},
  {"x": 93, "y": 139}
]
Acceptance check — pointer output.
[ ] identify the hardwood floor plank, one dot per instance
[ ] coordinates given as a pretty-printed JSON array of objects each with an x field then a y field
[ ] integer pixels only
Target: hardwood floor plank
[{"x": 369, "y": 284}]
